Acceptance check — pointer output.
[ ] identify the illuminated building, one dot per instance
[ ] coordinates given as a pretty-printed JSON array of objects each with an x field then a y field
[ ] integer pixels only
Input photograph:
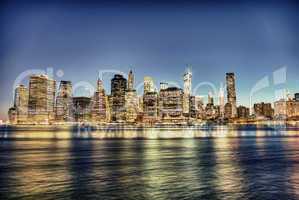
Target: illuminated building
[
  {"x": 130, "y": 81},
  {"x": 21, "y": 103},
  {"x": 118, "y": 98},
  {"x": 286, "y": 108},
  {"x": 99, "y": 111},
  {"x": 221, "y": 102},
  {"x": 171, "y": 105},
  {"x": 82, "y": 109},
  {"x": 243, "y": 112},
  {"x": 263, "y": 110},
  {"x": 12, "y": 115},
  {"x": 41, "y": 99},
  {"x": 231, "y": 93},
  {"x": 228, "y": 111},
  {"x": 148, "y": 84},
  {"x": 187, "y": 91},
  {"x": 196, "y": 107},
  {"x": 131, "y": 100},
  {"x": 64, "y": 102},
  {"x": 150, "y": 107}
]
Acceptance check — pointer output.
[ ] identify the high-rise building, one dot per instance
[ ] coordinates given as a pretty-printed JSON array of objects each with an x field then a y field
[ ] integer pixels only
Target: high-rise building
[
  {"x": 243, "y": 112},
  {"x": 118, "y": 95},
  {"x": 228, "y": 111},
  {"x": 196, "y": 107},
  {"x": 64, "y": 102},
  {"x": 148, "y": 84},
  {"x": 12, "y": 115},
  {"x": 131, "y": 100},
  {"x": 41, "y": 99},
  {"x": 221, "y": 102},
  {"x": 187, "y": 90},
  {"x": 21, "y": 103},
  {"x": 150, "y": 107},
  {"x": 231, "y": 93},
  {"x": 99, "y": 111},
  {"x": 82, "y": 109},
  {"x": 286, "y": 108},
  {"x": 263, "y": 110},
  {"x": 171, "y": 105},
  {"x": 130, "y": 80}
]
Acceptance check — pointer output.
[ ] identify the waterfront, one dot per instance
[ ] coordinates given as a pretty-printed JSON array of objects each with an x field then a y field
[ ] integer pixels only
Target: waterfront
[{"x": 150, "y": 164}]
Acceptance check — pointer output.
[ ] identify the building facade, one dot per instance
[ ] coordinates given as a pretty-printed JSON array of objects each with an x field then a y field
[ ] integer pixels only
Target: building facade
[
  {"x": 118, "y": 98},
  {"x": 187, "y": 91},
  {"x": 21, "y": 103},
  {"x": 41, "y": 99},
  {"x": 99, "y": 110},
  {"x": 231, "y": 93},
  {"x": 64, "y": 102},
  {"x": 263, "y": 110},
  {"x": 148, "y": 84},
  {"x": 150, "y": 107},
  {"x": 171, "y": 105}
]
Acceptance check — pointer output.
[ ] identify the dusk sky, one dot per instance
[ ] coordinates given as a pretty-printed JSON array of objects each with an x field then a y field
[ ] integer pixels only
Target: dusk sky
[{"x": 251, "y": 39}]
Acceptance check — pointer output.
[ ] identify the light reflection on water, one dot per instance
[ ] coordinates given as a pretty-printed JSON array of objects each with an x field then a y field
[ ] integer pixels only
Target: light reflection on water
[{"x": 201, "y": 165}]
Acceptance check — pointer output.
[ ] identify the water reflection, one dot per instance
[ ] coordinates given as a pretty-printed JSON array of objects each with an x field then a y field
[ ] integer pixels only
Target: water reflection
[{"x": 88, "y": 165}]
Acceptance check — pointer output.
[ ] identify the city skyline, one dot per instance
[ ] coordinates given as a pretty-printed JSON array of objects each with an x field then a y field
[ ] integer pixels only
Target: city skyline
[
  {"x": 42, "y": 103},
  {"x": 251, "y": 39}
]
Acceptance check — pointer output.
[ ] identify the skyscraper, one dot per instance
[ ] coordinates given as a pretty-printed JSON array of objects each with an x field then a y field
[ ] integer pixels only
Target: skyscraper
[
  {"x": 131, "y": 100},
  {"x": 148, "y": 84},
  {"x": 21, "y": 103},
  {"x": 64, "y": 102},
  {"x": 231, "y": 93},
  {"x": 130, "y": 80},
  {"x": 41, "y": 99},
  {"x": 187, "y": 90},
  {"x": 99, "y": 103},
  {"x": 118, "y": 92},
  {"x": 221, "y": 101},
  {"x": 171, "y": 105},
  {"x": 82, "y": 107},
  {"x": 150, "y": 107}
]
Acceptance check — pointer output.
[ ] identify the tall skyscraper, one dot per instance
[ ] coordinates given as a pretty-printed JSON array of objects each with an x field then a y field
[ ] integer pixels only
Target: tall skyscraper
[
  {"x": 187, "y": 90},
  {"x": 82, "y": 109},
  {"x": 130, "y": 80},
  {"x": 148, "y": 84},
  {"x": 41, "y": 99},
  {"x": 150, "y": 107},
  {"x": 221, "y": 101},
  {"x": 64, "y": 102},
  {"x": 99, "y": 103},
  {"x": 131, "y": 100},
  {"x": 231, "y": 93},
  {"x": 21, "y": 103},
  {"x": 118, "y": 92}
]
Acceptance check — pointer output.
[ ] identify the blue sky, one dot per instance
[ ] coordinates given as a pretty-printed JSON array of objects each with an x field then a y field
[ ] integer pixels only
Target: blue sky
[{"x": 252, "y": 39}]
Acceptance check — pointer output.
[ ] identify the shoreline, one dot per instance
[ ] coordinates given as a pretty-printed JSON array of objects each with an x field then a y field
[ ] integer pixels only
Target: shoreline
[{"x": 128, "y": 127}]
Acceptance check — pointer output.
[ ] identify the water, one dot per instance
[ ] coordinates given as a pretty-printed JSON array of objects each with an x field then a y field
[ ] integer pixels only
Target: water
[{"x": 158, "y": 165}]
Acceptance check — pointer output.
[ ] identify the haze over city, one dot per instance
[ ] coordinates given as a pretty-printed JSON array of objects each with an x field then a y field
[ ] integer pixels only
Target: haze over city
[{"x": 156, "y": 39}]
